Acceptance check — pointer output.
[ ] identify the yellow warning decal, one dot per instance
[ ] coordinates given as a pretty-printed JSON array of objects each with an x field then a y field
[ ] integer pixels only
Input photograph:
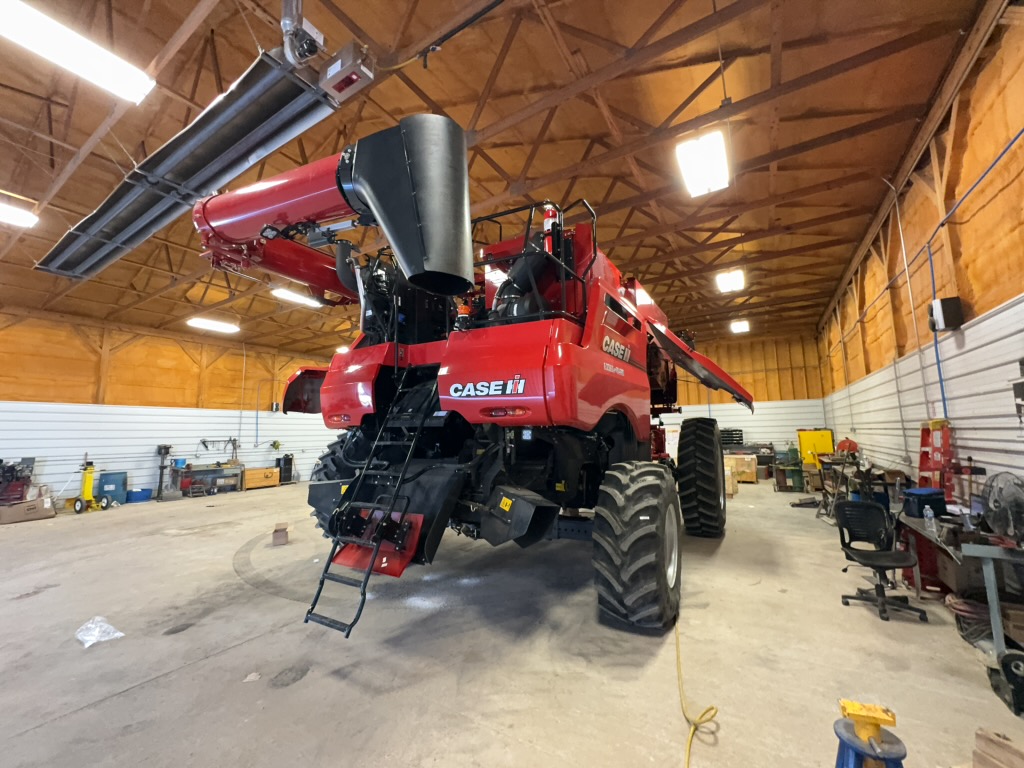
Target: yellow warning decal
[
  {"x": 343, "y": 489},
  {"x": 560, "y": 485},
  {"x": 506, "y": 503}
]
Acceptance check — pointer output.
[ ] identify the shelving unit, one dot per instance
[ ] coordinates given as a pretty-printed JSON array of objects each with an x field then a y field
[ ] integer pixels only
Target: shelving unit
[{"x": 936, "y": 458}]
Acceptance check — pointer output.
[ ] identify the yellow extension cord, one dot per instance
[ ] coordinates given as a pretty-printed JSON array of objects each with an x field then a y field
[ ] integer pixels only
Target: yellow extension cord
[{"x": 705, "y": 718}]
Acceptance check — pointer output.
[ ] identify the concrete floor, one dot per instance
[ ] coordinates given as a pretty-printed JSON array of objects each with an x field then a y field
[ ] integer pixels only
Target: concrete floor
[{"x": 491, "y": 657}]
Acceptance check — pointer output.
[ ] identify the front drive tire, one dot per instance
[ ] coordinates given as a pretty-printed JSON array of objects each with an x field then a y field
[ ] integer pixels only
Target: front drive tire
[
  {"x": 340, "y": 463},
  {"x": 637, "y": 533},
  {"x": 700, "y": 474}
]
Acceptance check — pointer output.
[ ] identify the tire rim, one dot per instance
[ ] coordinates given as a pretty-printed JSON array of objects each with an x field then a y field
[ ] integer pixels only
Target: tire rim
[
  {"x": 721, "y": 485},
  {"x": 672, "y": 544}
]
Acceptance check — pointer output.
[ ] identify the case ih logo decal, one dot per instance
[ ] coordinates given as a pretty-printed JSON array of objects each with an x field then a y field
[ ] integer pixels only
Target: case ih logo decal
[
  {"x": 616, "y": 349},
  {"x": 514, "y": 386}
]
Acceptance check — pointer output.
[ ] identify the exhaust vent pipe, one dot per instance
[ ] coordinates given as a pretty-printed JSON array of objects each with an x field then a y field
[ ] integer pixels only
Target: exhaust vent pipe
[{"x": 413, "y": 181}]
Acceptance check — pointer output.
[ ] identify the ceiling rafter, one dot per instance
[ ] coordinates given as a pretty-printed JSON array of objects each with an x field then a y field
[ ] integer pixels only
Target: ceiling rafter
[
  {"x": 761, "y": 99},
  {"x": 740, "y": 208},
  {"x": 633, "y": 58},
  {"x": 811, "y": 250},
  {"x": 760, "y": 234}
]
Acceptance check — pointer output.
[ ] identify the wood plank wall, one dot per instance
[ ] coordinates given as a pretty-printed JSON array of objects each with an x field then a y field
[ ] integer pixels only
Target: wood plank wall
[
  {"x": 780, "y": 368},
  {"x": 978, "y": 255},
  {"x": 65, "y": 362}
]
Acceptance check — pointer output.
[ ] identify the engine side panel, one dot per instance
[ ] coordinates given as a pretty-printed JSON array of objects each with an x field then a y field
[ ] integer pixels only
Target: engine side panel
[
  {"x": 347, "y": 395},
  {"x": 499, "y": 367}
]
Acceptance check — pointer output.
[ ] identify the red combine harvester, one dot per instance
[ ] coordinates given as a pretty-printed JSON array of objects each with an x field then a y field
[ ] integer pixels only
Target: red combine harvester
[{"x": 508, "y": 397}]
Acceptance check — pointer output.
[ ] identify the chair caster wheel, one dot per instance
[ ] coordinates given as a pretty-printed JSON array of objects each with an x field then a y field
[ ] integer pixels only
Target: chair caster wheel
[
  {"x": 924, "y": 617},
  {"x": 883, "y": 616},
  {"x": 845, "y": 601}
]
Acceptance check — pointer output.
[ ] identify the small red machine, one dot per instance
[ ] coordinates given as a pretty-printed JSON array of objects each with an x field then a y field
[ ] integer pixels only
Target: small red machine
[{"x": 507, "y": 396}]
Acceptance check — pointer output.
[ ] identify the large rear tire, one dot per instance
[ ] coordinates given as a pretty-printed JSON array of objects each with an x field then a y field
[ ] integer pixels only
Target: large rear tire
[
  {"x": 637, "y": 533},
  {"x": 340, "y": 463},
  {"x": 700, "y": 475}
]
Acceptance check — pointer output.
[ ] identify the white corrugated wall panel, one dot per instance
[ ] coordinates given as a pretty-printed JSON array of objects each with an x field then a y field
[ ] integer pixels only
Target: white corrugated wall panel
[
  {"x": 978, "y": 363},
  {"x": 124, "y": 438},
  {"x": 771, "y": 422}
]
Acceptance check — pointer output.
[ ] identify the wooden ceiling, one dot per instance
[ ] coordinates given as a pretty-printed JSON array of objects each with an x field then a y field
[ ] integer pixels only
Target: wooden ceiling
[{"x": 561, "y": 98}]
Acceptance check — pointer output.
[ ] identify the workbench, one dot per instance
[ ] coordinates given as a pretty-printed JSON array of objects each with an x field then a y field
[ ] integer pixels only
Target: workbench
[
  {"x": 988, "y": 554},
  {"x": 222, "y": 477},
  {"x": 919, "y": 527}
]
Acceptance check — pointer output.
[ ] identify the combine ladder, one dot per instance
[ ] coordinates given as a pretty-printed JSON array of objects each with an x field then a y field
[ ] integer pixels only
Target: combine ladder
[{"x": 379, "y": 523}]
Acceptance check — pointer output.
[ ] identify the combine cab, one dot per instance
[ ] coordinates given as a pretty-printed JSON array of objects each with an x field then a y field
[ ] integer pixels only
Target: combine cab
[{"x": 507, "y": 397}]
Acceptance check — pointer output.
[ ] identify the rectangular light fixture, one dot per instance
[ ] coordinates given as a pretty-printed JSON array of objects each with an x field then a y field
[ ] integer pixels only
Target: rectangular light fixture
[
  {"x": 297, "y": 298},
  {"x": 739, "y": 326},
  {"x": 733, "y": 280},
  {"x": 704, "y": 163},
  {"x": 212, "y": 325},
  {"x": 17, "y": 217},
  {"x": 41, "y": 35}
]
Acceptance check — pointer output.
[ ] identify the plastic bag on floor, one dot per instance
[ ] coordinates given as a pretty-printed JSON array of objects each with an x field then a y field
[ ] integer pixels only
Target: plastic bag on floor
[{"x": 96, "y": 630}]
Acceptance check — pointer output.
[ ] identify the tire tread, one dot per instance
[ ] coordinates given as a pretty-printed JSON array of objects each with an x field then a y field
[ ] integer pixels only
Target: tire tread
[{"x": 628, "y": 576}]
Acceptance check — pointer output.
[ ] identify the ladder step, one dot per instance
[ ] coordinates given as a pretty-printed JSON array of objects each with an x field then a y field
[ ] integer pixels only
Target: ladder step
[
  {"x": 380, "y": 473},
  {"x": 346, "y": 580},
  {"x": 395, "y": 442},
  {"x": 371, "y": 504},
  {"x": 328, "y": 622},
  {"x": 359, "y": 541}
]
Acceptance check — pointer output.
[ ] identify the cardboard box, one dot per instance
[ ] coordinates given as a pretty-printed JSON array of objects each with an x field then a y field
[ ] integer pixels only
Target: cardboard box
[
  {"x": 280, "y": 535},
  {"x": 731, "y": 486},
  {"x": 262, "y": 478},
  {"x": 960, "y": 577},
  {"x": 1013, "y": 621},
  {"x": 743, "y": 468},
  {"x": 36, "y": 509},
  {"x": 812, "y": 477}
]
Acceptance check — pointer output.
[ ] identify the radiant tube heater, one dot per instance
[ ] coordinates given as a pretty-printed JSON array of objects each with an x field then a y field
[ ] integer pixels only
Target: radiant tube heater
[{"x": 270, "y": 105}]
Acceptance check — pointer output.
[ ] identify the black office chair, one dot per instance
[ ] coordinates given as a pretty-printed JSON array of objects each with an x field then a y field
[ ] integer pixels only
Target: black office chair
[{"x": 868, "y": 523}]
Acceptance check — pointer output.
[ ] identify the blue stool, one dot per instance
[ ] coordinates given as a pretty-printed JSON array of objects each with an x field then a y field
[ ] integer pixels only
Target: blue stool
[{"x": 862, "y": 739}]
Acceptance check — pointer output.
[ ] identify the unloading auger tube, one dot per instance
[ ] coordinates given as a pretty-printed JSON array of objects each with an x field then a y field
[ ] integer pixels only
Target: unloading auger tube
[{"x": 410, "y": 180}]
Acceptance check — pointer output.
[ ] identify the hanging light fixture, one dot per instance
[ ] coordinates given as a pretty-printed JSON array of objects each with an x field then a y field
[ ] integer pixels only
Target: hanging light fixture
[
  {"x": 296, "y": 298},
  {"x": 704, "y": 163},
  {"x": 704, "y": 159},
  {"x": 43, "y": 36},
  {"x": 739, "y": 326},
  {"x": 731, "y": 281},
  {"x": 17, "y": 217},
  {"x": 209, "y": 324}
]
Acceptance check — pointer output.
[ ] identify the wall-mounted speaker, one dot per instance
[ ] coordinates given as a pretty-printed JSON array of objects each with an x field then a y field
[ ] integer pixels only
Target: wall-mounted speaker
[{"x": 946, "y": 314}]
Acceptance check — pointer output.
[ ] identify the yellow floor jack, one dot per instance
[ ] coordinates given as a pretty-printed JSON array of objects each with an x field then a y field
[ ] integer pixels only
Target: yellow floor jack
[{"x": 86, "y": 501}]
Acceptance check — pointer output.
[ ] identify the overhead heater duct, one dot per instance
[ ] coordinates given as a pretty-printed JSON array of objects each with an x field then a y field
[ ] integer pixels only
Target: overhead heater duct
[{"x": 271, "y": 104}]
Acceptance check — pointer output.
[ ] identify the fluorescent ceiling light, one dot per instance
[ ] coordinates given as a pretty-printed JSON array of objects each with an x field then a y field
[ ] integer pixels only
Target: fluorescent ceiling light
[
  {"x": 297, "y": 298},
  {"x": 17, "y": 217},
  {"x": 212, "y": 325},
  {"x": 50, "y": 39},
  {"x": 739, "y": 326},
  {"x": 342, "y": 350},
  {"x": 733, "y": 280},
  {"x": 704, "y": 163}
]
